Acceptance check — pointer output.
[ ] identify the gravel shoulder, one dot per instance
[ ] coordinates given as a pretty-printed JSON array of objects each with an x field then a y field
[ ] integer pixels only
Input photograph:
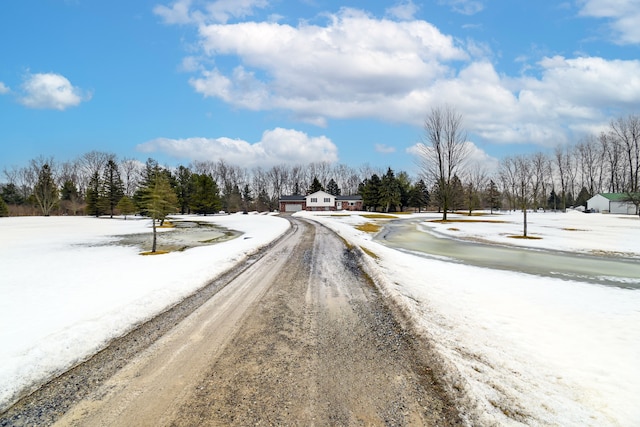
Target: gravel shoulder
[{"x": 299, "y": 337}]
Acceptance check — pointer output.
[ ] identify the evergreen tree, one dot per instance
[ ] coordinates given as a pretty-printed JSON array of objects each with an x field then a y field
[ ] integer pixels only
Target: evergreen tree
[
  {"x": 159, "y": 200},
  {"x": 113, "y": 189},
  {"x": 184, "y": 188},
  {"x": 332, "y": 188},
  {"x": 419, "y": 196},
  {"x": 370, "y": 192},
  {"x": 264, "y": 201},
  {"x": 389, "y": 195},
  {"x": 583, "y": 196},
  {"x": 494, "y": 196},
  {"x": 206, "y": 195},
  {"x": 456, "y": 194},
  {"x": 4, "y": 209},
  {"x": 126, "y": 206},
  {"x": 69, "y": 198},
  {"x": 45, "y": 191},
  {"x": 554, "y": 202},
  {"x": 404, "y": 183},
  {"x": 94, "y": 197},
  {"x": 247, "y": 198},
  {"x": 11, "y": 195},
  {"x": 315, "y": 186}
]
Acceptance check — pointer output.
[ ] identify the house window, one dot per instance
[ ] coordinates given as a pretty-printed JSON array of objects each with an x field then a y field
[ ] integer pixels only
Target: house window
[
  {"x": 327, "y": 200},
  {"x": 314, "y": 200}
]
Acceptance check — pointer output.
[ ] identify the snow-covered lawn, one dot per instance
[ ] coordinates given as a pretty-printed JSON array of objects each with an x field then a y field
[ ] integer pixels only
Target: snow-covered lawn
[
  {"x": 539, "y": 350},
  {"x": 65, "y": 291},
  {"x": 527, "y": 350}
]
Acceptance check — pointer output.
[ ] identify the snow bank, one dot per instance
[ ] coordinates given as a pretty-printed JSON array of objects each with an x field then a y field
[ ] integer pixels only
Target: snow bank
[
  {"x": 528, "y": 350},
  {"x": 65, "y": 291}
]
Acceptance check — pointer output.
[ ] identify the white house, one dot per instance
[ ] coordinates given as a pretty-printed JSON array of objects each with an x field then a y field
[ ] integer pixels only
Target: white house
[
  {"x": 320, "y": 201},
  {"x": 615, "y": 203}
]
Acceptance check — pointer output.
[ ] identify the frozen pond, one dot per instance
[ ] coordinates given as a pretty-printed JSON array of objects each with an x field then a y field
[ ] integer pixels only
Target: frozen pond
[
  {"x": 184, "y": 235},
  {"x": 414, "y": 236}
]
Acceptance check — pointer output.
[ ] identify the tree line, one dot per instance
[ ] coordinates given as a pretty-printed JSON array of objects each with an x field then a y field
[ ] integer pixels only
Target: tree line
[{"x": 97, "y": 183}]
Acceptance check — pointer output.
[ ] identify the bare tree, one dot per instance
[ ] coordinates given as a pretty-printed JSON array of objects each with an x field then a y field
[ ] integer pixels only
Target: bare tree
[
  {"x": 443, "y": 151},
  {"x": 45, "y": 189},
  {"x": 524, "y": 187},
  {"x": 89, "y": 164},
  {"x": 626, "y": 131},
  {"x": 476, "y": 181},
  {"x": 130, "y": 171}
]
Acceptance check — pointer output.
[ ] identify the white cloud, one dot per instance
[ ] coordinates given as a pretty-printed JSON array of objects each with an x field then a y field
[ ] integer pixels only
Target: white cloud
[
  {"x": 405, "y": 10},
  {"x": 4, "y": 88},
  {"x": 51, "y": 91},
  {"x": 217, "y": 11},
  {"x": 623, "y": 16},
  {"x": 356, "y": 66},
  {"x": 178, "y": 13},
  {"x": 276, "y": 146},
  {"x": 384, "y": 149},
  {"x": 465, "y": 7},
  {"x": 224, "y": 10}
]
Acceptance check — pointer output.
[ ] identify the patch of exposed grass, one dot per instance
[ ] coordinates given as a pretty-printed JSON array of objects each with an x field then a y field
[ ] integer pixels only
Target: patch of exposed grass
[
  {"x": 453, "y": 229},
  {"x": 525, "y": 237},
  {"x": 368, "y": 252},
  {"x": 154, "y": 253},
  {"x": 378, "y": 216},
  {"x": 166, "y": 224},
  {"x": 403, "y": 213},
  {"x": 573, "y": 229},
  {"x": 369, "y": 227}
]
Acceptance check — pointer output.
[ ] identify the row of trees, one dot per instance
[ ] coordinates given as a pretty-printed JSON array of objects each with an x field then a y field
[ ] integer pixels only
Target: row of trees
[
  {"x": 97, "y": 183},
  {"x": 609, "y": 162}
]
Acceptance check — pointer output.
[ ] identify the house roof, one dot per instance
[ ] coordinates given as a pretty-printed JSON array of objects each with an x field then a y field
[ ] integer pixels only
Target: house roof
[
  {"x": 292, "y": 198},
  {"x": 354, "y": 197},
  {"x": 616, "y": 197}
]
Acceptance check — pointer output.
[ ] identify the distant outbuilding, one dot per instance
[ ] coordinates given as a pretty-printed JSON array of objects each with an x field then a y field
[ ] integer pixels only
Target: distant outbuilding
[{"x": 615, "y": 203}]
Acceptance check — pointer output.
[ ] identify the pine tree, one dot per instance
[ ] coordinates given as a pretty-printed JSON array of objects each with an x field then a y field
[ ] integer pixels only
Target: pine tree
[
  {"x": 247, "y": 198},
  {"x": 370, "y": 192},
  {"x": 126, "y": 206},
  {"x": 389, "y": 191},
  {"x": 94, "y": 197},
  {"x": 206, "y": 195},
  {"x": 159, "y": 200},
  {"x": 4, "y": 209},
  {"x": 113, "y": 189},
  {"x": 494, "y": 196},
  {"x": 45, "y": 190},
  {"x": 69, "y": 197},
  {"x": 184, "y": 188},
  {"x": 11, "y": 195},
  {"x": 419, "y": 195},
  {"x": 332, "y": 188},
  {"x": 315, "y": 186}
]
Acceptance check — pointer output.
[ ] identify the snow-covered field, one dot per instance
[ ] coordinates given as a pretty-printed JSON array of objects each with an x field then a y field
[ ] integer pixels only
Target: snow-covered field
[
  {"x": 527, "y": 350},
  {"x": 65, "y": 290},
  {"x": 539, "y": 350}
]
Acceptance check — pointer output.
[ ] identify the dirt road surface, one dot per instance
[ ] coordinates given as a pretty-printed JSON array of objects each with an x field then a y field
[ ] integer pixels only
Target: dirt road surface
[{"x": 301, "y": 337}]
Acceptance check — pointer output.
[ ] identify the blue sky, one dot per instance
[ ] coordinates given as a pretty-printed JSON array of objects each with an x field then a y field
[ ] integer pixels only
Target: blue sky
[{"x": 262, "y": 82}]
